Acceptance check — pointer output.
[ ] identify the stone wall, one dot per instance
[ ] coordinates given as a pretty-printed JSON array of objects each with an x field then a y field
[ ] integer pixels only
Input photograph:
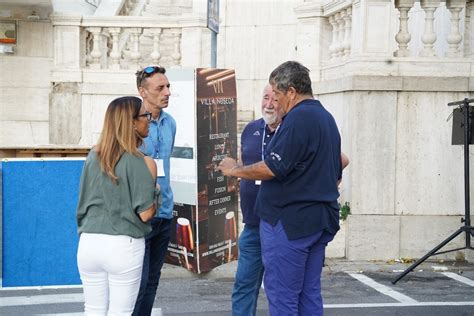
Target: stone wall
[{"x": 25, "y": 86}]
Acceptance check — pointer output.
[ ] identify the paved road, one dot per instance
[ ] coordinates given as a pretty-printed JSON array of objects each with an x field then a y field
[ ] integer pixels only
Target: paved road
[{"x": 347, "y": 290}]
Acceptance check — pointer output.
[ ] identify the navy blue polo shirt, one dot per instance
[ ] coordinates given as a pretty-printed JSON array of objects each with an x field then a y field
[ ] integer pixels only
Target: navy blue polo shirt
[
  {"x": 251, "y": 149},
  {"x": 305, "y": 156}
]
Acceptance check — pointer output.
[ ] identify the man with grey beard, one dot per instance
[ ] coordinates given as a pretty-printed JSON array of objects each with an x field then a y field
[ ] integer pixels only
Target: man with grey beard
[{"x": 255, "y": 137}]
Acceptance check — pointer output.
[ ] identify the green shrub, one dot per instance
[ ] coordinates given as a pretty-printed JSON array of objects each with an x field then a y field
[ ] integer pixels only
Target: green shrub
[{"x": 344, "y": 210}]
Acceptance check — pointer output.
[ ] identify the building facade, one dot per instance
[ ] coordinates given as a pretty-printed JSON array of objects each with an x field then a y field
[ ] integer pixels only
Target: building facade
[{"x": 385, "y": 69}]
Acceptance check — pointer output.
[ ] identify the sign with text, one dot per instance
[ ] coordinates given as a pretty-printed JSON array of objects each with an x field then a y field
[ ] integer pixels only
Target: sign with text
[
  {"x": 213, "y": 15},
  {"x": 204, "y": 228}
]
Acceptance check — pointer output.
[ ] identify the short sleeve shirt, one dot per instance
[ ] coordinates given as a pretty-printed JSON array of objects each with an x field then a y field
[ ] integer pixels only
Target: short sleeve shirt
[
  {"x": 305, "y": 157},
  {"x": 110, "y": 208}
]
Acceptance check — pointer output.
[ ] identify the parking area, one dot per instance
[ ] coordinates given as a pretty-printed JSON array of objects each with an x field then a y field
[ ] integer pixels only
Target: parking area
[{"x": 349, "y": 289}]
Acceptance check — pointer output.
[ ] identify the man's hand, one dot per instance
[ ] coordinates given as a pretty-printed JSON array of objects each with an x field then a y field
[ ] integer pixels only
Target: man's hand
[{"x": 227, "y": 165}]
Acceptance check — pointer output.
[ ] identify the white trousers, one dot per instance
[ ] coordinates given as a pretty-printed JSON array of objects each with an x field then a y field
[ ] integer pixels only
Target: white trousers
[{"x": 111, "y": 269}]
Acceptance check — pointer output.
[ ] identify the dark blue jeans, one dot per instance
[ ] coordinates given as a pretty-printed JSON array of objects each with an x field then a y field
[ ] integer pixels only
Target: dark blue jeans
[
  {"x": 156, "y": 246},
  {"x": 249, "y": 273}
]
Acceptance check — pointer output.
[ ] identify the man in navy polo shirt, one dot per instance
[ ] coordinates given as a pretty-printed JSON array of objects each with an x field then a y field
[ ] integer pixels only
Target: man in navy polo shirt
[
  {"x": 248, "y": 278},
  {"x": 297, "y": 201}
]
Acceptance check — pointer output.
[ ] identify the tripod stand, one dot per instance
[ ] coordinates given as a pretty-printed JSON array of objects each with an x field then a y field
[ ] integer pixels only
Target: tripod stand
[{"x": 467, "y": 228}]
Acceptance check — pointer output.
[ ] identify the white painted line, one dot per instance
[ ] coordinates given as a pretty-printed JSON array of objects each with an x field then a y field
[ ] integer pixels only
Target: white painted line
[
  {"x": 41, "y": 299},
  {"x": 369, "y": 305},
  {"x": 46, "y": 287},
  {"x": 154, "y": 312},
  {"x": 63, "y": 314},
  {"x": 459, "y": 278},
  {"x": 382, "y": 288}
]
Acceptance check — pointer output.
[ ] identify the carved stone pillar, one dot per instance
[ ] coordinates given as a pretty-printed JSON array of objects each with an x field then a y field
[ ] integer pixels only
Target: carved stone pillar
[
  {"x": 176, "y": 47},
  {"x": 347, "y": 32},
  {"x": 95, "y": 54},
  {"x": 403, "y": 37},
  {"x": 135, "y": 53},
  {"x": 115, "y": 53},
  {"x": 429, "y": 36},
  {"x": 340, "y": 33},
  {"x": 468, "y": 30},
  {"x": 454, "y": 38},
  {"x": 155, "y": 54},
  {"x": 335, "y": 28}
]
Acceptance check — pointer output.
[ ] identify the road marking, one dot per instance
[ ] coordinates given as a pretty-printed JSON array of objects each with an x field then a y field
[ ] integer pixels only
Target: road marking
[
  {"x": 41, "y": 299},
  {"x": 459, "y": 278},
  {"x": 154, "y": 312},
  {"x": 382, "y": 288},
  {"x": 44, "y": 287},
  {"x": 369, "y": 305}
]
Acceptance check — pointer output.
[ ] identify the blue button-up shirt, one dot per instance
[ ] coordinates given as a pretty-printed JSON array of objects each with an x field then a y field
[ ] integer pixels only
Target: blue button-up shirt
[{"x": 159, "y": 145}]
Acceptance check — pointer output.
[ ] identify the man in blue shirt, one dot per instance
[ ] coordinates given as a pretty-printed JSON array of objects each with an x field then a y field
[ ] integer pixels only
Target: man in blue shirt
[
  {"x": 255, "y": 138},
  {"x": 154, "y": 88},
  {"x": 297, "y": 201}
]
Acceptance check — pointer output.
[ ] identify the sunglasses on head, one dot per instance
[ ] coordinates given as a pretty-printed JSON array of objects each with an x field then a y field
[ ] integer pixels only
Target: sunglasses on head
[
  {"x": 146, "y": 114},
  {"x": 150, "y": 70}
]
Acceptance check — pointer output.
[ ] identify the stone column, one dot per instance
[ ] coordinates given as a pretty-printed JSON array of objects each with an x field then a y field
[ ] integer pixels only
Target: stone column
[
  {"x": 155, "y": 54},
  {"x": 96, "y": 52},
  {"x": 135, "y": 54},
  {"x": 454, "y": 38},
  {"x": 347, "y": 32},
  {"x": 115, "y": 54},
  {"x": 313, "y": 38},
  {"x": 403, "y": 36},
  {"x": 65, "y": 114},
  {"x": 65, "y": 100},
  {"x": 176, "y": 56},
  {"x": 469, "y": 30},
  {"x": 68, "y": 49},
  {"x": 429, "y": 36}
]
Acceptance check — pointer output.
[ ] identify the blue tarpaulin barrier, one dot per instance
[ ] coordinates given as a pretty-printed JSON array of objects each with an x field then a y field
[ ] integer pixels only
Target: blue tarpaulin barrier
[{"x": 39, "y": 199}]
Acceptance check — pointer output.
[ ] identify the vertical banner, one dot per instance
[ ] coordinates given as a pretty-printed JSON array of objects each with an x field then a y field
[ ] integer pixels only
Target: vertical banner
[
  {"x": 216, "y": 102},
  {"x": 204, "y": 227},
  {"x": 183, "y": 165}
]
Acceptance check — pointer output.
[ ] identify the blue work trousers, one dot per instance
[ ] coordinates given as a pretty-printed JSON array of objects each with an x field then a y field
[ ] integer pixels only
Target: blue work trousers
[
  {"x": 249, "y": 273},
  {"x": 293, "y": 271},
  {"x": 156, "y": 246}
]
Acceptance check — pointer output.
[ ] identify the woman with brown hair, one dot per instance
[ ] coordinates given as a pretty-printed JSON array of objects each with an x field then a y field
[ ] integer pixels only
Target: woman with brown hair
[{"x": 117, "y": 198}]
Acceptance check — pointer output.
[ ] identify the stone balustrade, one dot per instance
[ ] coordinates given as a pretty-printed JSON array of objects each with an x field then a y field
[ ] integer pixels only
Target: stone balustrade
[
  {"x": 119, "y": 42},
  {"x": 403, "y": 28},
  {"x": 426, "y": 9},
  {"x": 339, "y": 15},
  {"x": 120, "y": 45}
]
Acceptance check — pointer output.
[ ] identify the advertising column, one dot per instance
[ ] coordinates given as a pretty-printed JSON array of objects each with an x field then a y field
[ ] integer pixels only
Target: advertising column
[
  {"x": 216, "y": 138},
  {"x": 204, "y": 226},
  {"x": 182, "y": 247}
]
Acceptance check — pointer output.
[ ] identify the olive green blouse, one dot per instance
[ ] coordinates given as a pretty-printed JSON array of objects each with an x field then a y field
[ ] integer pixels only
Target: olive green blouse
[{"x": 111, "y": 208}]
